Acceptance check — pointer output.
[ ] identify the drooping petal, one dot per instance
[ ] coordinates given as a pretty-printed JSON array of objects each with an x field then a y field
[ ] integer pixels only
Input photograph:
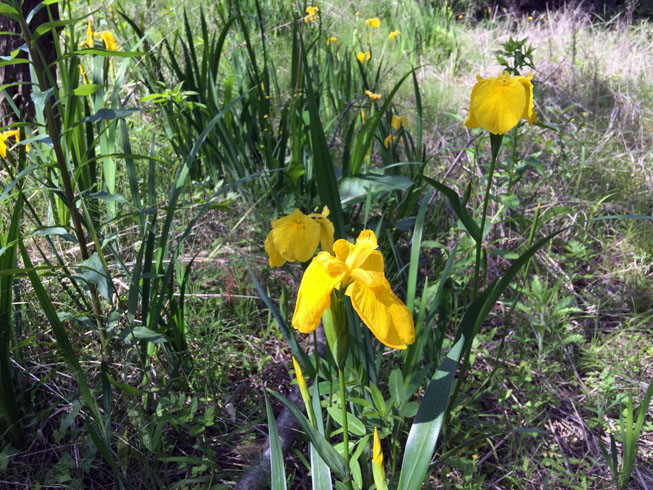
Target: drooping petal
[
  {"x": 326, "y": 229},
  {"x": 3, "y": 147},
  {"x": 529, "y": 110},
  {"x": 383, "y": 313},
  {"x": 314, "y": 295},
  {"x": 274, "y": 257},
  {"x": 296, "y": 236},
  {"x": 471, "y": 121}
]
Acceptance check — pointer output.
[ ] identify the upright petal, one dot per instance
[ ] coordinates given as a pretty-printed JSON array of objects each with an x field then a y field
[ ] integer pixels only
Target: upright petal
[
  {"x": 314, "y": 295},
  {"x": 365, "y": 245},
  {"x": 529, "y": 110},
  {"x": 383, "y": 313}
]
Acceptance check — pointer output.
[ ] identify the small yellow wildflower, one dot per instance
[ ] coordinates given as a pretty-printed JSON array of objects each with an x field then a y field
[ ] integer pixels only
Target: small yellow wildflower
[
  {"x": 311, "y": 14},
  {"x": 363, "y": 57},
  {"x": 4, "y": 136},
  {"x": 332, "y": 39},
  {"x": 398, "y": 121},
  {"x": 394, "y": 34},
  {"x": 373, "y": 97},
  {"x": 460, "y": 16},
  {"x": 498, "y": 103},
  {"x": 373, "y": 23},
  {"x": 295, "y": 237},
  {"x": 358, "y": 270},
  {"x": 109, "y": 41}
]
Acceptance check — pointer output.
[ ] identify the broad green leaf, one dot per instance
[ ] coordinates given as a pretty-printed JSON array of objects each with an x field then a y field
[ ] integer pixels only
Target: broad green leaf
[
  {"x": 89, "y": 89},
  {"x": 92, "y": 271},
  {"x": 355, "y": 426},
  {"x": 426, "y": 427},
  {"x": 359, "y": 186}
]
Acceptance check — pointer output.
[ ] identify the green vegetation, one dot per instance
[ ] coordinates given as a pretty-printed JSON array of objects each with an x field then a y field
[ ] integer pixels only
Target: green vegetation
[{"x": 145, "y": 341}]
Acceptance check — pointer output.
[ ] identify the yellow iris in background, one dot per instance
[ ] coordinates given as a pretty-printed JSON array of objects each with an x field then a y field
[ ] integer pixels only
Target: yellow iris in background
[
  {"x": 358, "y": 271},
  {"x": 394, "y": 34},
  {"x": 90, "y": 36},
  {"x": 373, "y": 23},
  {"x": 311, "y": 14},
  {"x": 362, "y": 57},
  {"x": 109, "y": 41},
  {"x": 373, "y": 97},
  {"x": 295, "y": 237},
  {"x": 398, "y": 121},
  {"x": 498, "y": 103},
  {"x": 332, "y": 39},
  {"x": 4, "y": 136}
]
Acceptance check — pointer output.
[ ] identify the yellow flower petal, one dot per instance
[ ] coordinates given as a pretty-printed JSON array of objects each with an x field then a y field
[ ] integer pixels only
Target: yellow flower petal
[
  {"x": 4, "y": 136},
  {"x": 394, "y": 34},
  {"x": 384, "y": 314},
  {"x": 377, "y": 454},
  {"x": 387, "y": 141},
  {"x": 360, "y": 56},
  {"x": 3, "y": 147},
  {"x": 296, "y": 236},
  {"x": 314, "y": 295},
  {"x": 326, "y": 229},
  {"x": 274, "y": 257},
  {"x": 109, "y": 41},
  {"x": 498, "y": 103},
  {"x": 373, "y": 23},
  {"x": 365, "y": 245}
]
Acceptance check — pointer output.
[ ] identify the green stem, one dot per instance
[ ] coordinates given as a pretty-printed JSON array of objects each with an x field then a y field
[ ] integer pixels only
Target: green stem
[
  {"x": 495, "y": 142},
  {"x": 345, "y": 427}
]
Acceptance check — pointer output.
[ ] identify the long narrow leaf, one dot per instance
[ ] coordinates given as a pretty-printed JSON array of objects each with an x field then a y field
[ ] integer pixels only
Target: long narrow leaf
[
  {"x": 426, "y": 428},
  {"x": 326, "y": 450},
  {"x": 277, "y": 469}
]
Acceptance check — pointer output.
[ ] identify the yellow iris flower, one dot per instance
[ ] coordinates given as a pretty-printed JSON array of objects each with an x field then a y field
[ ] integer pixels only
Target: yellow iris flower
[
  {"x": 4, "y": 136},
  {"x": 311, "y": 14},
  {"x": 373, "y": 23},
  {"x": 398, "y": 121},
  {"x": 388, "y": 141},
  {"x": 358, "y": 271},
  {"x": 295, "y": 237},
  {"x": 394, "y": 34},
  {"x": 362, "y": 57},
  {"x": 498, "y": 103},
  {"x": 332, "y": 39},
  {"x": 90, "y": 36},
  {"x": 373, "y": 97},
  {"x": 109, "y": 41}
]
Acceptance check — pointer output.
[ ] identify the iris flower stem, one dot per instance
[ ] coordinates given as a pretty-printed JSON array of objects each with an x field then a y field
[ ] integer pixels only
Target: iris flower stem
[
  {"x": 495, "y": 143},
  {"x": 345, "y": 427}
]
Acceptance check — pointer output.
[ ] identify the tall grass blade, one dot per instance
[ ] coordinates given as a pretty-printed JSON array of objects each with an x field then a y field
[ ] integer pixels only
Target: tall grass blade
[
  {"x": 320, "y": 472},
  {"x": 326, "y": 450},
  {"x": 277, "y": 469},
  {"x": 69, "y": 356},
  {"x": 324, "y": 175},
  {"x": 8, "y": 405}
]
